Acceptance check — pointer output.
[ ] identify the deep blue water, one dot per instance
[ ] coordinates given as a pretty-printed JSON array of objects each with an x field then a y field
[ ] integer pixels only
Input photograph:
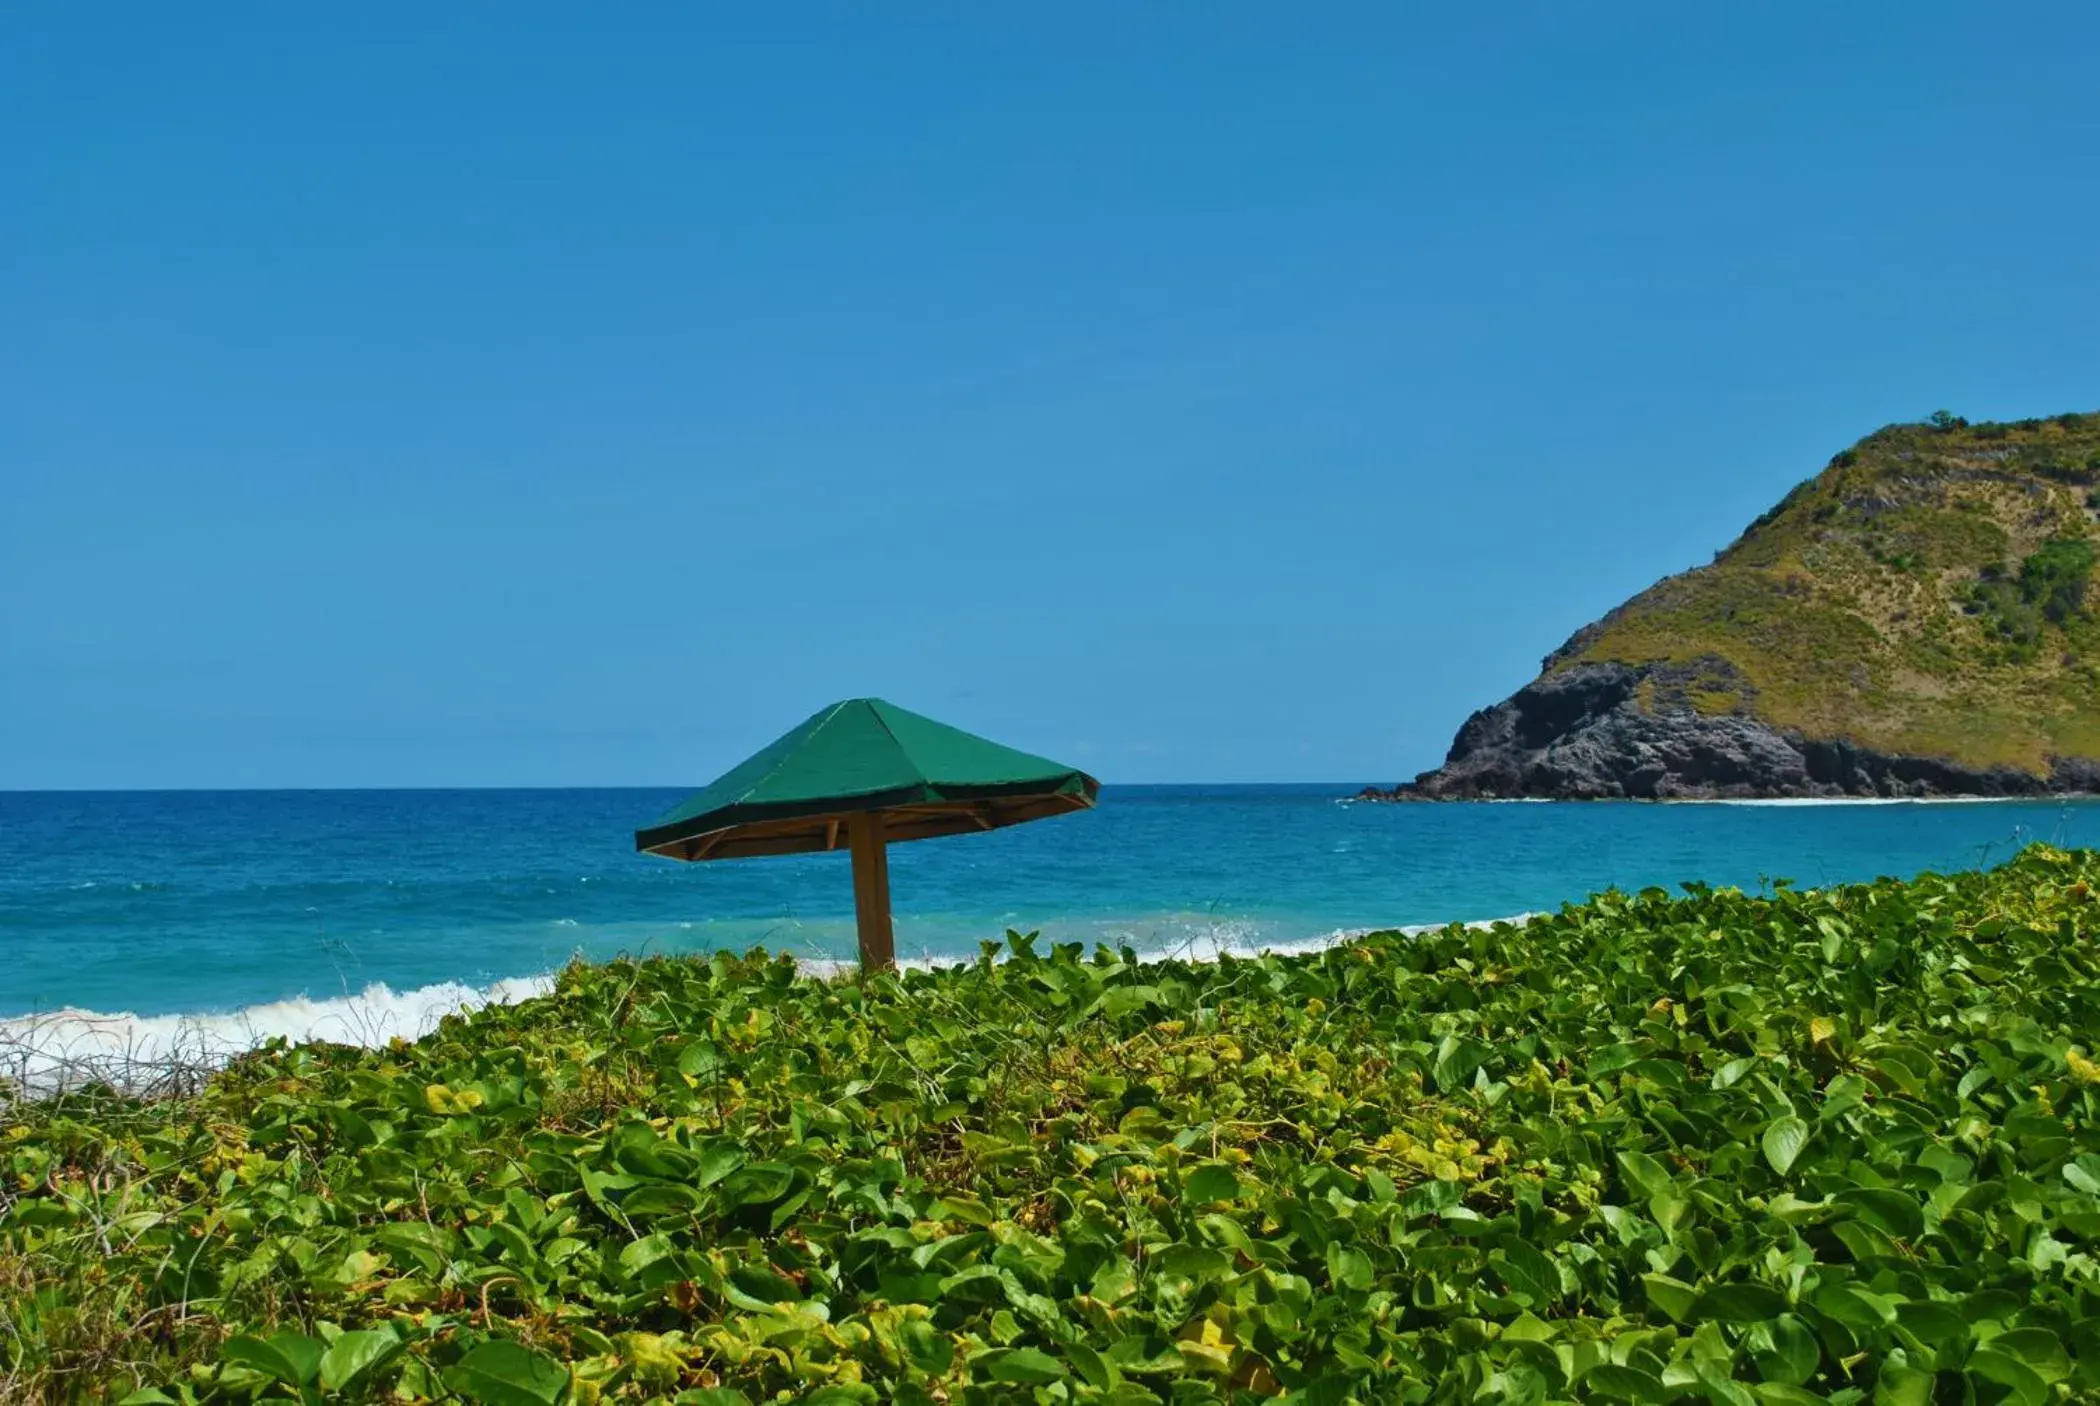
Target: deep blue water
[{"x": 211, "y": 901}]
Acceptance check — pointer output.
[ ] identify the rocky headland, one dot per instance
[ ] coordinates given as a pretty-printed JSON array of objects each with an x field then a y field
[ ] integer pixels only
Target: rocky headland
[{"x": 1913, "y": 622}]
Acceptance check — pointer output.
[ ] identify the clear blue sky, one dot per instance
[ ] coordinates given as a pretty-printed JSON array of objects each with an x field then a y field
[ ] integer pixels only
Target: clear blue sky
[{"x": 522, "y": 394}]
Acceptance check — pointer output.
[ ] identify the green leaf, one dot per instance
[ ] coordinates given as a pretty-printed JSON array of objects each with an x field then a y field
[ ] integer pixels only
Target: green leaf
[
  {"x": 1350, "y": 1268},
  {"x": 1456, "y": 1060},
  {"x": 1210, "y": 1183},
  {"x": 1885, "y": 1208},
  {"x": 1673, "y": 1296},
  {"x": 1732, "y": 1071},
  {"x": 1948, "y": 1164},
  {"x": 1865, "y": 1243},
  {"x": 1899, "y": 1385},
  {"x": 698, "y": 1060},
  {"x": 1088, "y": 1366},
  {"x": 660, "y": 1198},
  {"x": 1991, "y": 1306},
  {"x": 1721, "y": 1389},
  {"x": 1021, "y": 1364},
  {"x": 605, "y": 1188},
  {"x": 717, "y": 1160},
  {"x": 2040, "y": 1349},
  {"x": 1120, "y": 1001},
  {"x": 711, "y": 1396},
  {"x": 1614, "y": 1382},
  {"x": 1741, "y": 1303},
  {"x": 353, "y": 1358},
  {"x": 1841, "y": 1095},
  {"x": 1199, "y": 1263},
  {"x": 1646, "y": 1175},
  {"x": 1528, "y": 1271},
  {"x": 2023, "y": 1384},
  {"x": 1935, "y": 1325},
  {"x": 970, "y": 1210},
  {"x": 1787, "y": 1394},
  {"x": 1784, "y": 1138},
  {"x": 1784, "y": 1350},
  {"x": 290, "y": 1358},
  {"x": 758, "y": 1184},
  {"x": 1432, "y": 1198},
  {"x": 929, "y": 1349},
  {"x": 1857, "y": 1308},
  {"x": 501, "y": 1373},
  {"x": 764, "y": 1283},
  {"x": 638, "y": 1255}
]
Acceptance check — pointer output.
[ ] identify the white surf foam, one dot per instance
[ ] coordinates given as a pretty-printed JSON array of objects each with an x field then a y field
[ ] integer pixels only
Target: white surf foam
[
  {"x": 1201, "y": 944},
  {"x": 55, "y": 1051},
  {"x": 1784, "y": 801},
  {"x": 63, "y": 1049}
]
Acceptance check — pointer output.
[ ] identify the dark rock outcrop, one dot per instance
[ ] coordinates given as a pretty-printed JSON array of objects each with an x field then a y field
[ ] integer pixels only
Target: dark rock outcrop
[{"x": 1601, "y": 731}]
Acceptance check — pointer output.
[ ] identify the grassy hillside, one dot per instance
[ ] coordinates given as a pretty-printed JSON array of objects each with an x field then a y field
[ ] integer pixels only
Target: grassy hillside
[
  {"x": 1930, "y": 593},
  {"x": 1838, "y": 1146}
]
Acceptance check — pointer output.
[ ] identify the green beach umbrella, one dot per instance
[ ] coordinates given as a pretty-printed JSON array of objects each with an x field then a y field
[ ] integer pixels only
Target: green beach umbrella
[{"x": 856, "y": 776}]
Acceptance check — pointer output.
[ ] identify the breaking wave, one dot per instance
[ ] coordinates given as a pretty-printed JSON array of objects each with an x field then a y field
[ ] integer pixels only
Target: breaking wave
[
  {"x": 68, "y": 1048},
  {"x": 54, "y": 1051}
]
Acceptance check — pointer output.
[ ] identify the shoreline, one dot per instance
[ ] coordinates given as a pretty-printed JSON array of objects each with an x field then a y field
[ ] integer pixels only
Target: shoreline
[
  {"x": 69, "y": 1047},
  {"x": 1389, "y": 798}
]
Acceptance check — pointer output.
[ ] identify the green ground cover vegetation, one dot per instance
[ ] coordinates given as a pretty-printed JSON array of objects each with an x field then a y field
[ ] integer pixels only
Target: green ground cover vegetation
[{"x": 1808, "y": 1146}]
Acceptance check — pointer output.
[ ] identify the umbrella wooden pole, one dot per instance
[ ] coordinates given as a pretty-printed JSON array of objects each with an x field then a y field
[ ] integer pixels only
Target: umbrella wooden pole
[{"x": 871, "y": 892}]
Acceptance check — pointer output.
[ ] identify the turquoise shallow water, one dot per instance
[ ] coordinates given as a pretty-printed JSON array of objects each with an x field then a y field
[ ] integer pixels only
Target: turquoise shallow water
[{"x": 192, "y": 902}]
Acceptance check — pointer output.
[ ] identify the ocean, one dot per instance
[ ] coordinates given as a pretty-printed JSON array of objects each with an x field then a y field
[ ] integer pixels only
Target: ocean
[{"x": 135, "y": 918}]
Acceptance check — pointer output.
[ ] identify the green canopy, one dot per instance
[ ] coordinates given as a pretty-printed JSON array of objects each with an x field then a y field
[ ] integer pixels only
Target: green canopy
[{"x": 856, "y": 775}]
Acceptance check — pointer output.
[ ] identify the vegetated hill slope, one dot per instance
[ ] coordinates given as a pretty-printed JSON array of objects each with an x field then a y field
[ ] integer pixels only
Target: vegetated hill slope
[{"x": 1918, "y": 619}]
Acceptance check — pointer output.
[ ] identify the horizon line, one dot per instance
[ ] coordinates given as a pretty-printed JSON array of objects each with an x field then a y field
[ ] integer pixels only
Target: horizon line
[{"x": 619, "y": 786}]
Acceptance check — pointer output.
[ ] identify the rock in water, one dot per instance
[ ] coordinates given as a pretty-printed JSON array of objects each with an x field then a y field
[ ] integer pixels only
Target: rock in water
[{"x": 1918, "y": 620}]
